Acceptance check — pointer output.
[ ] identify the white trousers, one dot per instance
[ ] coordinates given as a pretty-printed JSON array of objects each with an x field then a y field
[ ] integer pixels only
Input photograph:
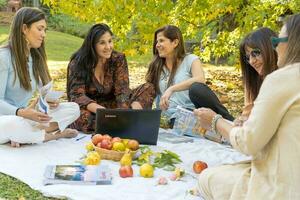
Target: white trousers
[{"x": 21, "y": 130}]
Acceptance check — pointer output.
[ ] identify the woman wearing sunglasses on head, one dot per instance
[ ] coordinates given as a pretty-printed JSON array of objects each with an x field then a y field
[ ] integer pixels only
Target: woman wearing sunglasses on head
[
  {"x": 23, "y": 68},
  {"x": 270, "y": 135},
  {"x": 258, "y": 59}
]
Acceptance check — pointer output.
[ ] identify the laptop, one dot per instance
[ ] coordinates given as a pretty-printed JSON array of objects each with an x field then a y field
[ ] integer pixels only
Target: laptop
[{"x": 141, "y": 125}]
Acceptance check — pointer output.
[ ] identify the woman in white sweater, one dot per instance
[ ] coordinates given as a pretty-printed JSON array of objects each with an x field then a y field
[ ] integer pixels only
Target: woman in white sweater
[
  {"x": 23, "y": 68},
  {"x": 271, "y": 135}
]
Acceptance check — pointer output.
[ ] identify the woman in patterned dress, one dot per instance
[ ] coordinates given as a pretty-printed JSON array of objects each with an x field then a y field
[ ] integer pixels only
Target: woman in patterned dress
[{"x": 98, "y": 78}]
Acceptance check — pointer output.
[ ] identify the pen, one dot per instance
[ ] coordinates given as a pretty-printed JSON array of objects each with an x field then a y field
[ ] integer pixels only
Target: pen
[{"x": 81, "y": 138}]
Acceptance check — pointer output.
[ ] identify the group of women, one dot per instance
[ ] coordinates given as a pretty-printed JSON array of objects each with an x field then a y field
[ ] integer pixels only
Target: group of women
[{"x": 268, "y": 129}]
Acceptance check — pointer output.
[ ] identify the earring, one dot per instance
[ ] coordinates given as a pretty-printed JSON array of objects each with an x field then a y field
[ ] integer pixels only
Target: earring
[{"x": 27, "y": 42}]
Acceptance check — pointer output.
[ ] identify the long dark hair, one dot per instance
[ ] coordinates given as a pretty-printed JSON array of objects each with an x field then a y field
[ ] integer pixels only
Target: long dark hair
[
  {"x": 292, "y": 54},
  {"x": 86, "y": 58},
  {"x": 259, "y": 39},
  {"x": 19, "y": 49},
  {"x": 157, "y": 63}
]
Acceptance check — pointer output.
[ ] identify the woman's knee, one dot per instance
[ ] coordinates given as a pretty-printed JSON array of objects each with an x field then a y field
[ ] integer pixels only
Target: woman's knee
[
  {"x": 203, "y": 183},
  {"x": 196, "y": 88},
  {"x": 71, "y": 109}
]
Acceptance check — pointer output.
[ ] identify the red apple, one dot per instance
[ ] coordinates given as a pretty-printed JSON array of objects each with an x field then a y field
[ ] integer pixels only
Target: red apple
[
  {"x": 126, "y": 171},
  {"x": 97, "y": 139},
  {"x": 116, "y": 139},
  {"x": 106, "y": 144},
  {"x": 199, "y": 166},
  {"x": 133, "y": 145}
]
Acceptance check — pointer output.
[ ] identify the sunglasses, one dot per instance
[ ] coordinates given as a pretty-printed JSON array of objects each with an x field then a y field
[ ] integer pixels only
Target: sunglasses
[
  {"x": 255, "y": 53},
  {"x": 276, "y": 40}
]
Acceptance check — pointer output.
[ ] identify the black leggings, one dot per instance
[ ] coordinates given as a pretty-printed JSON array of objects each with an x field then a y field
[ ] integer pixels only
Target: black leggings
[{"x": 202, "y": 96}]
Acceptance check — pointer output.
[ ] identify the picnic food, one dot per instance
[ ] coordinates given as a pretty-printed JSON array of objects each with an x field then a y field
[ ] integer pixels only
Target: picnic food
[
  {"x": 96, "y": 139},
  {"x": 116, "y": 139},
  {"x": 199, "y": 166},
  {"x": 126, "y": 171},
  {"x": 118, "y": 146},
  {"x": 106, "y": 144},
  {"x": 133, "y": 145},
  {"x": 162, "y": 181},
  {"x": 146, "y": 170},
  {"x": 89, "y": 146},
  {"x": 126, "y": 159},
  {"x": 92, "y": 158},
  {"x": 113, "y": 148}
]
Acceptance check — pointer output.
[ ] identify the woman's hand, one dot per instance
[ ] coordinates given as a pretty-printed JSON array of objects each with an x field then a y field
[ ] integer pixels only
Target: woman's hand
[
  {"x": 164, "y": 100},
  {"x": 240, "y": 120},
  {"x": 34, "y": 115},
  {"x": 92, "y": 107},
  {"x": 136, "y": 105},
  {"x": 205, "y": 116},
  {"x": 53, "y": 104}
]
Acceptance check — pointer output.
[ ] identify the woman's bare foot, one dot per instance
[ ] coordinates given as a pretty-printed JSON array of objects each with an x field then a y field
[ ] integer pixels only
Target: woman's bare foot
[
  {"x": 15, "y": 144},
  {"x": 69, "y": 133}
]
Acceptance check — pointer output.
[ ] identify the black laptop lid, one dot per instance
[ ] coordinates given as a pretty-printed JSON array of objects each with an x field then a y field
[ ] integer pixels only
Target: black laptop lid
[{"x": 141, "y": 125}]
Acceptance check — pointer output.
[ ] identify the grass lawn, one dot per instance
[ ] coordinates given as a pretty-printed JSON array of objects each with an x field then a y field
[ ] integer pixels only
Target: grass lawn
[
  {"x": 4, "y": 29},
  {"x": 225, "y": 81}
]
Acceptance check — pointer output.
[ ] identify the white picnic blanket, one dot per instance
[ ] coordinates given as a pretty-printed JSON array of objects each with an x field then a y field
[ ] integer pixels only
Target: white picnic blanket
[{"x": 28, "y": 165}]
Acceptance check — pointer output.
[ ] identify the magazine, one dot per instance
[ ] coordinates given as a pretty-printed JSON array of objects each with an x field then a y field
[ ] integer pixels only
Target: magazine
[
  {"x": 77, "y": 174},
  {"x": 187, "y": 124}
]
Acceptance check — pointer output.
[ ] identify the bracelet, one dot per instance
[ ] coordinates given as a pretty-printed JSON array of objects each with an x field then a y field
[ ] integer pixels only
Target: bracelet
[
  {"x": 18, "y": 110},
  {"x": 214, "y": 123}
]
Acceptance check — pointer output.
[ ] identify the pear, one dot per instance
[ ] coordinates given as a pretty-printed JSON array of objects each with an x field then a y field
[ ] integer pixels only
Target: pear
[{"x": 126, "y": 159}]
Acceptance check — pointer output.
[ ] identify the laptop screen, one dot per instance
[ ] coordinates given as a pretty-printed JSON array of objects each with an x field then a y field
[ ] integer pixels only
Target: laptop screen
[{"x": 141, "y": 125}]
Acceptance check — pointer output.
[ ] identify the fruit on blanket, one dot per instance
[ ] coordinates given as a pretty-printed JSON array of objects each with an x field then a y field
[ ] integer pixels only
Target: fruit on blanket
[
  {"x": 92, "y": 158},
  {"x": 177, "y": 174},
  {"x": 89, "y": 146},
  {"x": 118, "y": 146},
  {"x": 133, "y": 145},
  {"x": 146, "y": 170},
  {"x": 97, "y": 138},
  {"x": 126, "y": 159},
  {"x": 116, "y": 139},
  {"x": 199, "y": 166},
  {"x": 106, "y": 144},
  {"x": 126, "y": 171},
  {"x": 162, "y": 181}
]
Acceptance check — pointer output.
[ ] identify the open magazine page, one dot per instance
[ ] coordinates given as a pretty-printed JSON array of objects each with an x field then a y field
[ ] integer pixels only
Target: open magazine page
[
  {"x": 186, "y": 123},
  {"x": 47, "y": 95},
  {"x": 77, "y": 174}
]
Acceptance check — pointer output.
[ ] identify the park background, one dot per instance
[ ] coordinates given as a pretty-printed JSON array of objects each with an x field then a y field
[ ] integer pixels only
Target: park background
[{"x": 212, "y": 29}]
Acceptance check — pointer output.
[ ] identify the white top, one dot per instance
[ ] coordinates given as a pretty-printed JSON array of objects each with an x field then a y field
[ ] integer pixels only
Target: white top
[{"x": 181, "y": 98}]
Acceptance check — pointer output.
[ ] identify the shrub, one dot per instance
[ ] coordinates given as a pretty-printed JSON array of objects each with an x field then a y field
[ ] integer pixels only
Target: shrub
[
  {"x": 68, "y": 24},
  {"x": 2, "y": 3}
]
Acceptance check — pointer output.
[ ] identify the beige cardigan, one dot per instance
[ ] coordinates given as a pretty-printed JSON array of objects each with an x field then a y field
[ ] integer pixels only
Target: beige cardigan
[{"x": 272, "y": 136}]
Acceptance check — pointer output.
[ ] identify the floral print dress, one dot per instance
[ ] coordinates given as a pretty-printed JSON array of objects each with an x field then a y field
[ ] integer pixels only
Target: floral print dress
[{"x": 114, "y": 92}]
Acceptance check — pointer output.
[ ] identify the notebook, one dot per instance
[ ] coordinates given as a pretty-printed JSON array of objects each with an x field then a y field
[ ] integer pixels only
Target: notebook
[{"x": 141, "y": 125}]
